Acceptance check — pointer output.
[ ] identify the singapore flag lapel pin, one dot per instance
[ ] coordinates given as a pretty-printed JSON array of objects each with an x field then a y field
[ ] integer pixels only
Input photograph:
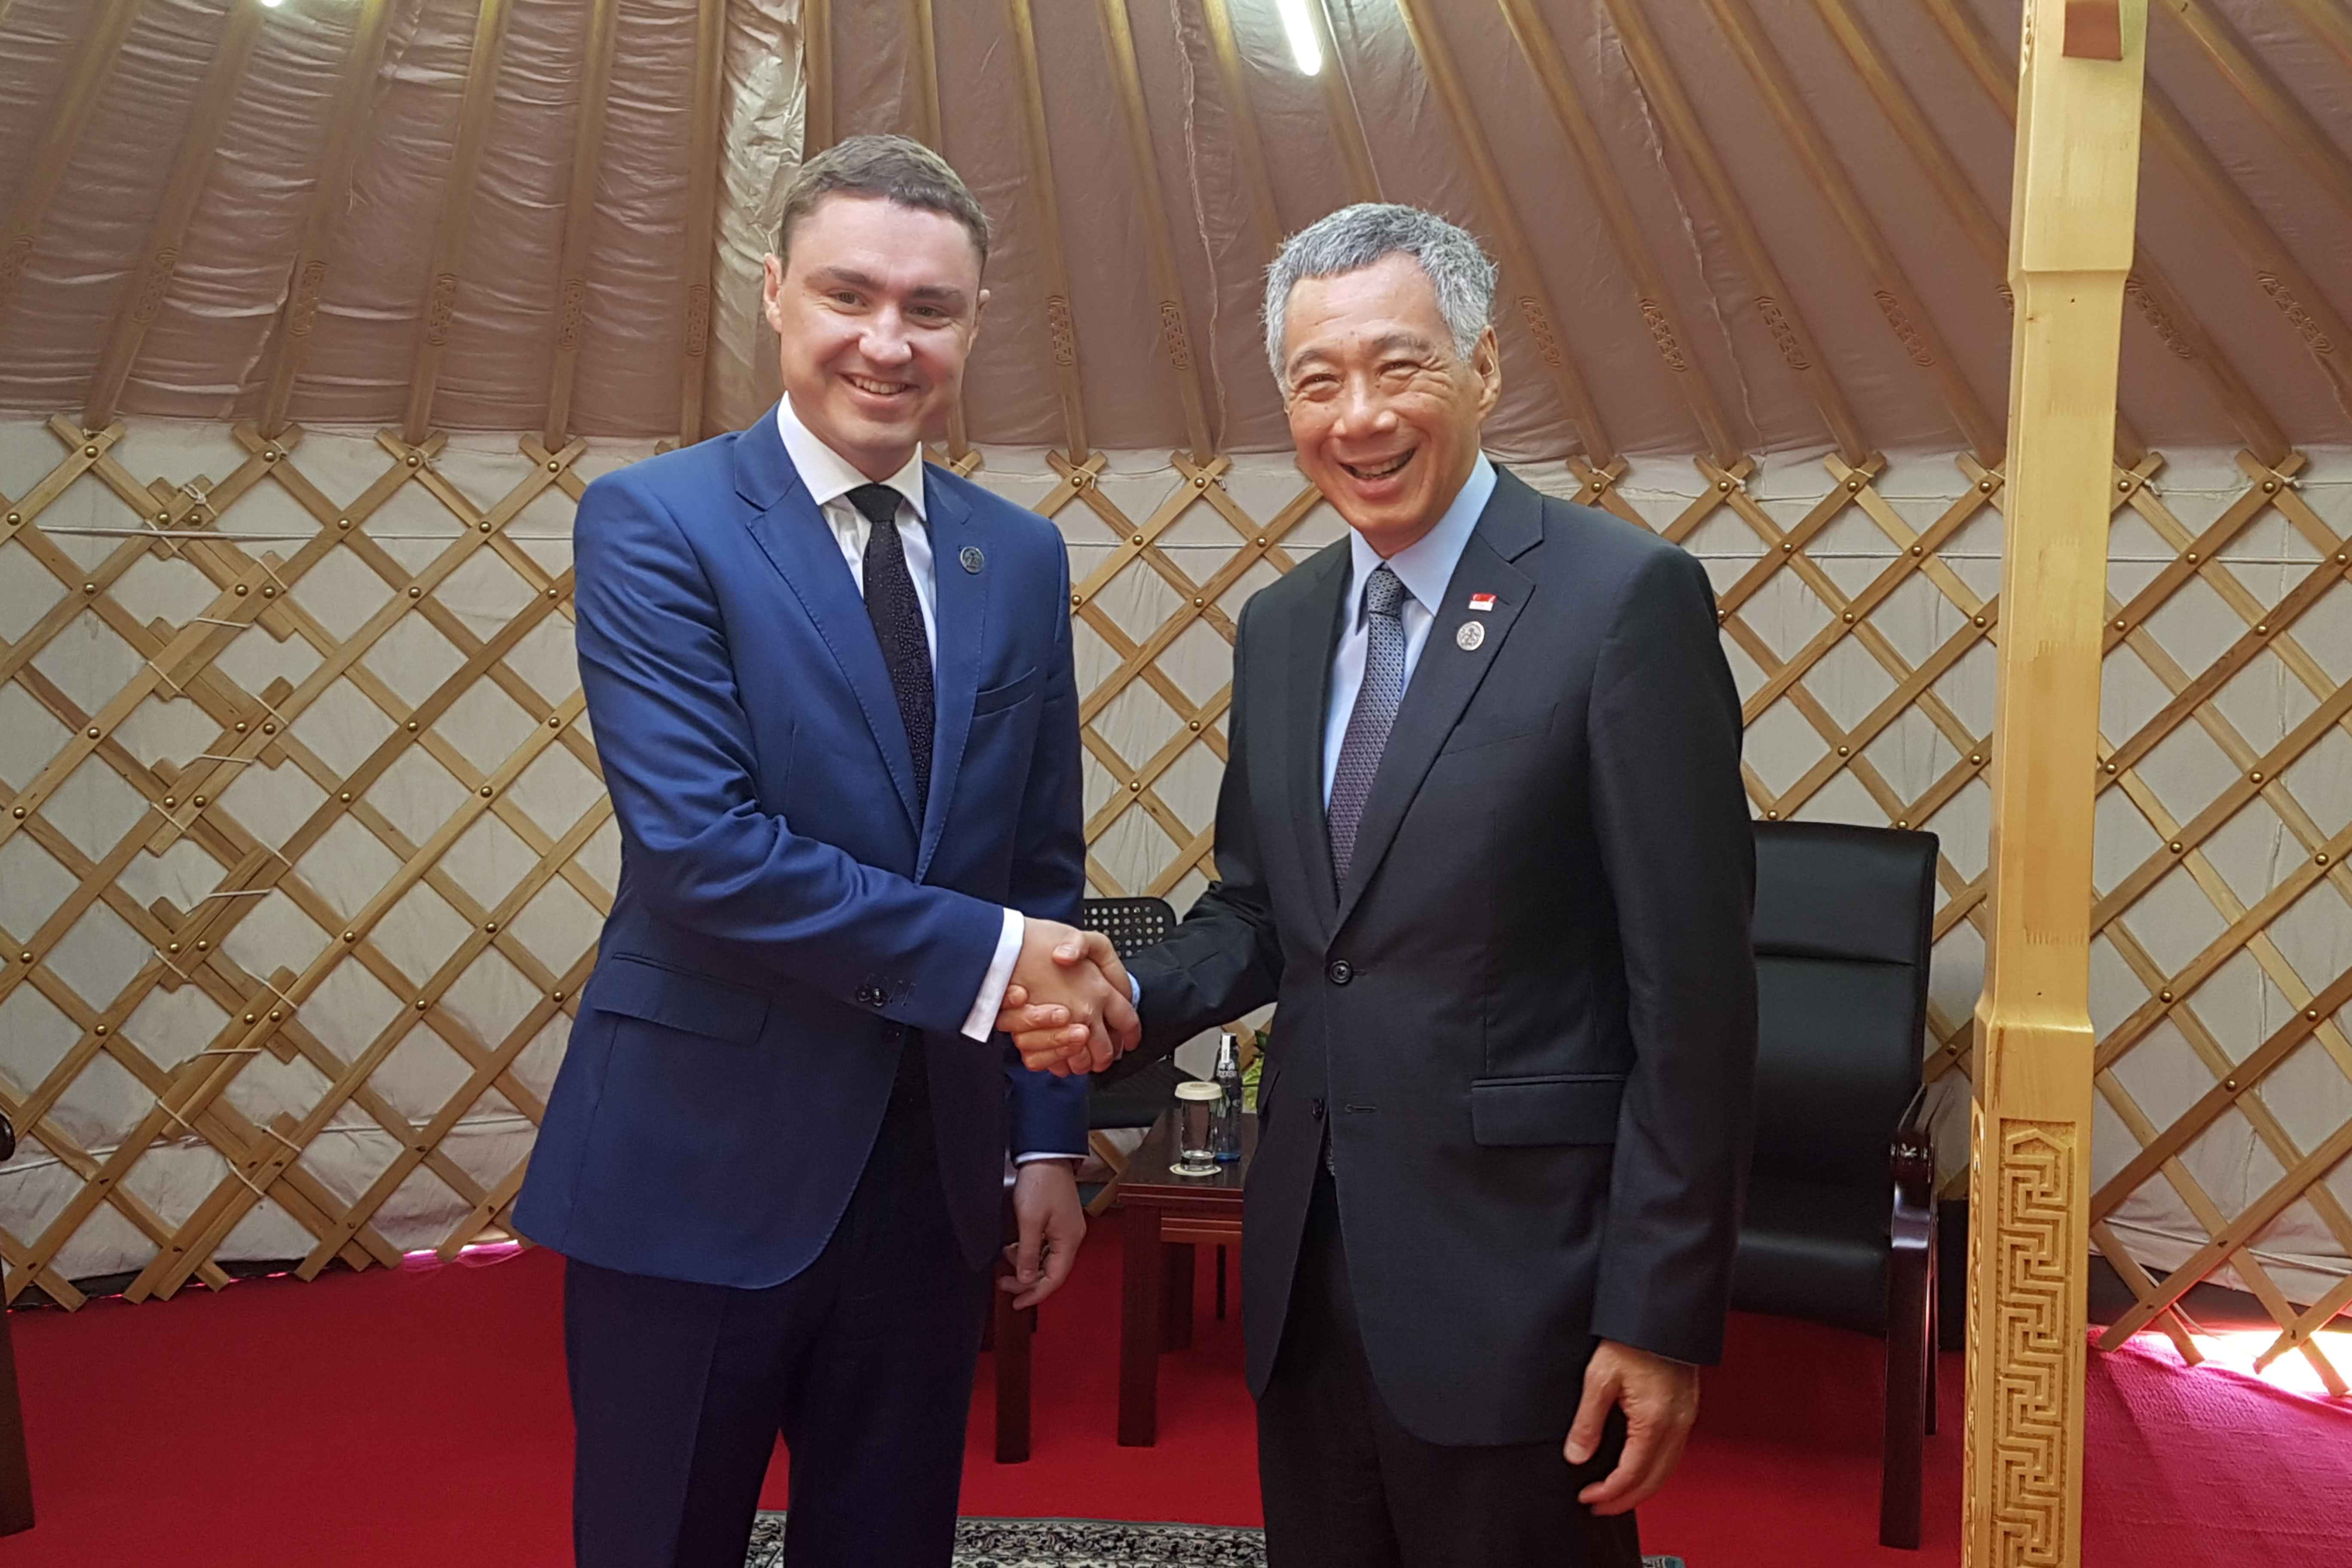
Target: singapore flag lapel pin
[{"x": 1480, "y": 603}]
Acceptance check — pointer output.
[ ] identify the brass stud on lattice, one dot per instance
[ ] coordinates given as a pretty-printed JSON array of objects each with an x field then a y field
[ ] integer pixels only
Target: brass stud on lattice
[
  {"x": 16, "y": 517},
  {"x": 2110, "y": 767},
  {"x": 491, "y": 927},
  {"x": 486, "y": 792},
  {"x": 1980, "y": 620},
  {"x": 2311, "y": 1012},
  {"x": 169, "y": 802},
  {"x": 1786, "y": 546},
  {"x": 1853, "y": 484},
  {"x": 556, "y": 996},
  {"x": 410, "y": 726},
  {"x": 24, "y": 958},
  {"x": 345, "y": 797},
  {"x": 2321, "y": 857},
  {"x": 1842, "y": 750},
  {"x": 1772, "y": 816},
  {"x": 92, "y": 732},
  {"x": 171, "y": 947},
  {"x": 1135, "y": 786},
  {"x": 203, "y": 946},
  {"x": 553, "y": 467},
  {"x": 19, "y": 811},
  {"x": 1918, "y": 550},
  {"x": 421, "y": 1004},
  {"x": 2269, "y": 487},
  {"x": 2174, "y": 846},
  {"x": 240, "y": 726},
  {"x": 252, "y": 1018},
  {"x": 1199, "y": 481},
  {"x": 1137, "y": 540},
  {"x": 2164, "y": 995},
  {"x": 2262, "y": 629},
  {"x": 1193, "y": 724},
  {"x": 486, "y": 527},
  {"x": 342, "y": 522},
  {"x": 200, "y": 800},
  {"x": 100, "y": 1030},
  {"x": 555, "y": 721},
  {"x": 1847, "y": 617},
  {"x": 275, "y": 1015},
  {"x": 2256, "y": 777},
  {"x": 1261, "y": 544},
  {"x": 414, "y": 592},
  {"x": 268, "y": 592},
  {"x": 413, "y": 460},
  {"x": 1722, "y": 485},
  {"x": 2124, "y": 485},
  {"x": 2192, "y": 558},
  {"x": 93, "y": 588},
  {"x": 351, "y": 936},
  {"x": 90, "y": 451},
  {"x": 2231, "y": 1084},
  {"x": 551, "y": 593}
]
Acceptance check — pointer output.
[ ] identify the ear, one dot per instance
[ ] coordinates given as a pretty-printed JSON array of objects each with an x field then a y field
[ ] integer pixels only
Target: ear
[
  {"x": 771, "y": 287},
  {"x": 979, "y": 310},
  {"x": 1486, "y": 364}
]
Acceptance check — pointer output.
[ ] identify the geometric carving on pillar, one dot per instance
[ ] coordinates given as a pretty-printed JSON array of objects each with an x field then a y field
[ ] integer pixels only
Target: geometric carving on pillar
[{"x": 2038, "y": 1357}]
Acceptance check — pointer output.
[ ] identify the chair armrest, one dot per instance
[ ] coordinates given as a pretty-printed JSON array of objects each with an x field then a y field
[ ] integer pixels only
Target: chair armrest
[{"x": 1911, "y": 1162}]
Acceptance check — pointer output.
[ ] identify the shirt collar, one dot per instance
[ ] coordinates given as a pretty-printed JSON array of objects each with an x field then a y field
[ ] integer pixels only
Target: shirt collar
[
  {"x": 828, "y": 475},
  {"x": 1426, "y": 566}
]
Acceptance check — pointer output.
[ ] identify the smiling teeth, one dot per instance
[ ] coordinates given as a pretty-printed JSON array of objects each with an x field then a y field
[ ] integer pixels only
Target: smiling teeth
[
  {"x": 878, "y": 388},
  {"x": 1366, "y": 473}
]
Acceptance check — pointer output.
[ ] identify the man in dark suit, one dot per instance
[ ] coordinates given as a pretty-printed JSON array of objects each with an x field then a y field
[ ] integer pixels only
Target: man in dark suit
[
  {"x": 1482, "y": 834},
  {"x": 833, "y": 695}
]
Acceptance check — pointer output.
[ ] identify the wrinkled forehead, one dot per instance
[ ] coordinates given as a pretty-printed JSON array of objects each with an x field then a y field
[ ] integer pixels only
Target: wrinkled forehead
[{"x": 1387, "y": 306}]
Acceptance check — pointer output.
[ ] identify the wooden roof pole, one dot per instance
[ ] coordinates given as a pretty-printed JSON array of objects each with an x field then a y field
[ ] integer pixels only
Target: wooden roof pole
[
  {"x": 580, "y": 217},
  {"x": 1175, "y": 334},
  {"x": 817, "y": 72},
  {"x": 1061, "y": 327},
  {"x": 1905, "y": 308},
  {"x": 2298, "y": 298},
  {"x": 185, "y": 184},
  {"x": 290, "y": 337},
  {"x": 1340, "y": 109},
  {"x": 66, "y": 115},
  {"x": 1247, "y": 145},
  {"x": 1521, "y": 276},
  {"x": 1541, "y": 51},
  {"x": 2260, "y": 87},
  {"x": 2330, "y": 22},
  {"x": 2073, "y": 203},
  {"x": 923, "y": 50},
  {"x": 2165, "y": 312},
  {"x": 457, "y": 208},
  {"x": 1773, "y": 302},
  {"x": 701, "y": 217}
]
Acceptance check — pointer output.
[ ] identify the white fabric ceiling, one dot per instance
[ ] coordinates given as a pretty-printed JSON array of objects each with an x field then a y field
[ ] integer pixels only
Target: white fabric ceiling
[{"x": 73, "y": 264}]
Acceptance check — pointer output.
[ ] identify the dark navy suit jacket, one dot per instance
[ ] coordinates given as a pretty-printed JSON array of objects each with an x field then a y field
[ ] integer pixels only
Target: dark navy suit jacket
[{"x": 782, "y": 916}]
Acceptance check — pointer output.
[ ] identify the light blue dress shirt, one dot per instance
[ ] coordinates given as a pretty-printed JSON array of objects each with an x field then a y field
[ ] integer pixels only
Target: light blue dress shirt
[{"x": 1426, "y": 566}]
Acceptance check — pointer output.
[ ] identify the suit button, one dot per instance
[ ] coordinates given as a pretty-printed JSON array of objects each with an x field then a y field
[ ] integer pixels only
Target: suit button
[
  {"x": 1340, "y": 971},
  {"x": 870, "y": 995},
  {"x": 1316, "y": 1109}
]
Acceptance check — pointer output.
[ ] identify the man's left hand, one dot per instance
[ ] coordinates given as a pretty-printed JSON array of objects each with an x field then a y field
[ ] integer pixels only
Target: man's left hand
[
  {"x": 1052, "y": 1221},
  {"x": 1660, "y": 1398}
]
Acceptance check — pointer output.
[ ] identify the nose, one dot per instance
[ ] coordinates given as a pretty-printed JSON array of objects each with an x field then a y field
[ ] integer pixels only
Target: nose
[
  {"x": 1362, "y": 411},
  {"x": 885, "y": 343}
]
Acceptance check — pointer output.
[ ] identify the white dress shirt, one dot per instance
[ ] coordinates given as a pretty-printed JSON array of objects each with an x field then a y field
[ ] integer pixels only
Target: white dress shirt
[
  {"x": 830, "y": 477},
  {"x": 1425, "y": 567}
]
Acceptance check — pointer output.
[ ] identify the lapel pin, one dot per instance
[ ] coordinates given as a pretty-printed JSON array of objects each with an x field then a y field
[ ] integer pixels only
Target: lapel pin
[
  {"x": 972, "y": 558},
  {"x": 1469, "y": 635},
  {"x": 1480, "y": 603}
]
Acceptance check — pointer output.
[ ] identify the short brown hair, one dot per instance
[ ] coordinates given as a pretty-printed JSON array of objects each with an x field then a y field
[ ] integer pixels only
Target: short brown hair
[{"x": 896, "y": 168}]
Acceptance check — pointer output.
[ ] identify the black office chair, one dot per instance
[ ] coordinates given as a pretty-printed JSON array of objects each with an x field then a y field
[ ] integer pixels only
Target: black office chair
[
  {"x": 1840, "y": 1222},
  {"x": 16, "y": 1474},
  {"x": 1136, "y": 1100}
]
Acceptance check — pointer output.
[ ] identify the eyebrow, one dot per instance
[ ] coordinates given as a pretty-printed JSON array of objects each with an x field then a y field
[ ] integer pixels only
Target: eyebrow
[{"x": 942, "y": 292}]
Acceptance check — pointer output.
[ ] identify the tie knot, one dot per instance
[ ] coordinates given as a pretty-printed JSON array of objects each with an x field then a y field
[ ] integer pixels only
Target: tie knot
[
  {"x": 1384, "y": 593},
  {"x": 879, "y": 502}
]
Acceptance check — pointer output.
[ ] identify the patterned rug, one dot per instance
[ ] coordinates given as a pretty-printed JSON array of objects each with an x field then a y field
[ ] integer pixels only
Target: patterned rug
[{"x": 1082, "y": 1544}]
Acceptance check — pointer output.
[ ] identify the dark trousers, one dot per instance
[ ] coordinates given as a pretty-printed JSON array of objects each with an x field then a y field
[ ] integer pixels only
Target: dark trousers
[
  {"x": 863, "y": 1361},
  {"x": 1345, "y": 1487}
]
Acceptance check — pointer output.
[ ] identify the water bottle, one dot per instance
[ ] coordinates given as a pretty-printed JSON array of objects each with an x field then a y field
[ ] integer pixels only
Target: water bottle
[{"x": 1227, "y": 1076}]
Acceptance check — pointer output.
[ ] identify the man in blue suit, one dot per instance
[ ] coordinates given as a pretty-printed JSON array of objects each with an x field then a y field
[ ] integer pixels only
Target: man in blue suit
[{"x": 832, "y": 694}]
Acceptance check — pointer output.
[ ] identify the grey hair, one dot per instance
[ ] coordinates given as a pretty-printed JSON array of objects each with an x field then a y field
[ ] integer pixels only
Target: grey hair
[{"x": 1354, "y": 237}]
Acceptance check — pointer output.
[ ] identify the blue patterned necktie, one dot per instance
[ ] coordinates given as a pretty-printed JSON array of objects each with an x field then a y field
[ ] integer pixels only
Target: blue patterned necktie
[
  {"x": 1376, "y": 710},
  {"x": 897, "y": 617}
]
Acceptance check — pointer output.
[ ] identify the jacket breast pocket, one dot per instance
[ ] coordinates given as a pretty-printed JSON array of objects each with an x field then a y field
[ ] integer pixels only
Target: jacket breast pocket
[
  {"x": 1474, "y": 732},
  {"x": 996, "y": 698},
  {"x": 1546, "y": 1110},
  {"x": 678, "y": 999}
]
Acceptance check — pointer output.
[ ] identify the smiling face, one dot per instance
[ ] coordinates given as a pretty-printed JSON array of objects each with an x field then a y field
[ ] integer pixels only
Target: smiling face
[
  {"x": 876, "y": 312},
  {"x": 1384, "y": 412}
]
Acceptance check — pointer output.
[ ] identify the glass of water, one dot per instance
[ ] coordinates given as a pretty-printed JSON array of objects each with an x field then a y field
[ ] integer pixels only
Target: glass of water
[{"x": 1197, "y": 1100}]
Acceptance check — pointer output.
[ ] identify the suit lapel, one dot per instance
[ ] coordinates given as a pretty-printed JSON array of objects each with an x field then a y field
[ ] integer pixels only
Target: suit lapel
[
  {"x": 791, "y": 532},
  {"x": 1447, "y": 674},
  {"x": 1310, "y": 636},
  {"x": 959, "y": 606}
]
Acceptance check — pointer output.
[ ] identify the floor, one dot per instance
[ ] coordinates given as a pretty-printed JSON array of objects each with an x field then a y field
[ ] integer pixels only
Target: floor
[{"x": 419, "y": 1415}]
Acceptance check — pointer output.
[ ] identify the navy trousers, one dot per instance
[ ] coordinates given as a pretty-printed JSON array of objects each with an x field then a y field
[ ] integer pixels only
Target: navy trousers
[
  {"x": 862, "y": 1362},
  {"x": 1346, "y": 1485}
]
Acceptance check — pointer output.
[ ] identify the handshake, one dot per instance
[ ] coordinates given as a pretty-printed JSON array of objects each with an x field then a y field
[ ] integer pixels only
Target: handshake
[{"x": 1069, "y": 1007}]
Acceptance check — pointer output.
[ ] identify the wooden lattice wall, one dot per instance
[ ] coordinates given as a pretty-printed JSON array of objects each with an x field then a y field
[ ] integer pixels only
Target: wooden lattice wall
[{"x": 304, "y": 851}]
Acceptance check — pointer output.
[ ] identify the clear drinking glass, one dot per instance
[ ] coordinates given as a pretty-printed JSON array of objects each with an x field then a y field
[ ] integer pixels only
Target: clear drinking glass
[{"x": 1197, "y": 1100}]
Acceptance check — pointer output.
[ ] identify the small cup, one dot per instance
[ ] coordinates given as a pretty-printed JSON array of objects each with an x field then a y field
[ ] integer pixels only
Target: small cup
[{"x": 1197, "y": 1100}]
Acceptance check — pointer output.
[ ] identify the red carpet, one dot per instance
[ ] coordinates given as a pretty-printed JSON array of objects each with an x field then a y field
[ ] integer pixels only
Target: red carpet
[{"x": 419, "y": 1416}]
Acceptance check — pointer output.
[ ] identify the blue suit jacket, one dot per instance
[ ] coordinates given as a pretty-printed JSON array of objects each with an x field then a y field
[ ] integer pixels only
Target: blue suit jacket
[{"x": 781, "y": 912}]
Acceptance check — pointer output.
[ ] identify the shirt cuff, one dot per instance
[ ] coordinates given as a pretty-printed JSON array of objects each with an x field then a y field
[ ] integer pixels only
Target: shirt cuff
[
  {"x": 1032, "y": 1159},
  {"x": 1135, "y": 991},
  {"x": 981, "y": 1022}
]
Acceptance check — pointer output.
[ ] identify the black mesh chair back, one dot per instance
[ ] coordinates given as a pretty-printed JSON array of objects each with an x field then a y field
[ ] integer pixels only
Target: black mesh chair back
[{"x": 1132, "y": 924}]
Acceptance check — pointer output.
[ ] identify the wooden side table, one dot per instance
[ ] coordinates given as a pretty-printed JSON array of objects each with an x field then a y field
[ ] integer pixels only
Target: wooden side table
[{"x": 1167, "y": 1216}]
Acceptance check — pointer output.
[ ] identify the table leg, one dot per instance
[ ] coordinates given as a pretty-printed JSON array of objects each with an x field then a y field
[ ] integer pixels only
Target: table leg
[
  {"x": 16, "y": 1476},
  {"x": 1177, "y": 1313},
  {"x": 1140, "y": 1330}
]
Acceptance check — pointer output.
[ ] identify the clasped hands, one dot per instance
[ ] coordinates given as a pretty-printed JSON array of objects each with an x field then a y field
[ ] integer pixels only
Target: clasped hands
[{"x": 1069, "y": 1007}]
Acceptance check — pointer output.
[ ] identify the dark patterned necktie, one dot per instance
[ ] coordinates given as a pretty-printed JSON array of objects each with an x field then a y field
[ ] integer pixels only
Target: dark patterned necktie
[
  {"x": 1375, "y": 711},
  {"x": 897, "y": 617}
]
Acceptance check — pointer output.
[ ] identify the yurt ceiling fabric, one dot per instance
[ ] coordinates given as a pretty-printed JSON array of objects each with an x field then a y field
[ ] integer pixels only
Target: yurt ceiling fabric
[{"x": 1726, "y": 226}]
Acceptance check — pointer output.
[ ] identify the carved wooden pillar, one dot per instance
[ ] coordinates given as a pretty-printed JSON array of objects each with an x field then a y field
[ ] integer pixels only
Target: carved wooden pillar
[{"x": 2072, "y": 206}]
